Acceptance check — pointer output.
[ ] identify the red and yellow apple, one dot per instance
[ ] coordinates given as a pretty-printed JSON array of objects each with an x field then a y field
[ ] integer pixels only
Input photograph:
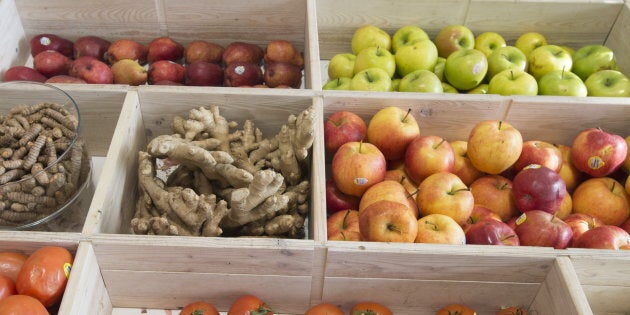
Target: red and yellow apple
[
  {"x": 356, "y": 166},
  {"x": 491, "y": 232},
  {"x": 338, "y": 201},
  {"x": 541, "y": 153},
  {"x": 388, "y": 221},
  {"x": 391, "y": 129},
  {"x": 597, "y": 152},
  {"x": 604, "y": 237},
  {"x": 493, "y": 146},
  {"x": 427, "y": 155},
  {"x": 580, "y": 223},
  {"x": 603, "y": 198},
  {"x": 569, "y": 173},
  {"x": 343, "y": 226},
  {"x": 439, "y": 229},
  {"x": 444, "y": 193},
  {"x": 478, "y": 214},
  {"x": 342, "y": 127},
  {"x": 462, "y": 167},
  {"x": 541, "y": 228},
  {"x": 388, "y": 190},
  {"x": 495, "y": 193}
]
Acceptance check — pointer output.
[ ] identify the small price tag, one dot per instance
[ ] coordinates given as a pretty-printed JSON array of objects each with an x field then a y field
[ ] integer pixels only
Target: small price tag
[
  {"x": 595, "y": 162},
  {"x": 521, "y": 219},
  {"x": 66, "y": 269},
  {"x": 360, "y": 181}
]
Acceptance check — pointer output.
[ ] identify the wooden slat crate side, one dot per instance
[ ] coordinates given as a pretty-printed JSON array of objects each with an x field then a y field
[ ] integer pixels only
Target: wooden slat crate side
[
  {"x": 28, "y": 242},
  {"x": 86, "y": 292},
  {"x": 172, "y": 290},
  {"x": 619, "y": 41},
  {"x": 608, "y": 299},
  {"x": 561, "y": 292},
  {"x": 312, "y": 67},
  {"x": 317, "y": 222},
  {"x": 604, "y": 271},
  {"x": 13, "y": 44}
]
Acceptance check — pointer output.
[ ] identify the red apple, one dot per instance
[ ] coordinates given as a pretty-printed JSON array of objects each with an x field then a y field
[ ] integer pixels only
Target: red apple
[
  {"x": 356, "y": 166},
  {"x": 93, "y": 46},
  {"x": 337, "y": 201},
  {"x": 626, "y": 225},
  {"x": 580, "y": 223},
  {"x": 126, "y": 49},
  {"x": 462, "y": 167},
  {"x": 22, "y": 73},
  {"x": 541, "y": 153},
  {"x": 243, "y": 52},
  {"x": 283, "y": 51},
  {"x": 446, "y": 194},
  {"x": 166, "y": 70},
  {"x": 391, "y": 129},
  {"x": 65, "y": 79},
  {"x": 598, "y": 153},
  {"x": 604, "y": 237},
  {"x": 91, "y": 70},
  {"x": 282, "y": 74},
  {"x": 603, "y": 198},
  {"x": 343, "y": 226},
  {"x": 439, "y": 229},
  {"x": 388, "y": 190},
  {"x": 201, "y": 73},
  {"x": 495, "y": 193},
  {"x": 538, "y": 188},
  {"x": 541, "y": 228},
  {"x": 491, "y": 232},
  {"x": 164, "y": 48},
  {"x": 388, "y": 221},
  {"x": 43, "y": 42},
  {"x": 242, "y": 74},
  {"x": 426, "y": 155},
  {"x": 478, "y": 214},
  {"x": 200, "y": 50},
  {"x": 51, "y": 63},
  {"x": 342, "y": 127}
]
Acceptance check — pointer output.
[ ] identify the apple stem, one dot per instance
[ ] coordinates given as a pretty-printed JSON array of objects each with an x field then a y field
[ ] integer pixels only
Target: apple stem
[
  {"x": 360, "y": 145},
  {"x": 433, "y": 225},
  {"x": 452, "y": 192},
  {"x": 414, "y": 193},
  {"x": 392, "y": 227},
  {"x": 512, "y": 74},
  {"x": 503, "y": 186},
  {"x": 439, "y": 144},
  {"x": 407, "y": 114},
  {"x": 367, "y": 76},
  {"x": 612, "y": 188},
  {"x": 345, "y": 217},
  {"x": 562, "y": 74},
  {"x": 500, "y": 123}
]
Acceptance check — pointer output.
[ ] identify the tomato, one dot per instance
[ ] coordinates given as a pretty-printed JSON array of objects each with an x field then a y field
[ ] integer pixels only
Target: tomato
[
  {"x": 249, "y": 305},
  {"x": 512, "y": 310},
  {"x": 7, "y": 287},
  {"x": 22, "y": 305},
  {"x": 199, "y": 308},
  {"x": 370, "y": 308},
  {"x": 44, "y": 274},
  {"x": 456, "y": 309},
  {"x": 324, "y": 309},
  {"x": 11, "y": 263}
]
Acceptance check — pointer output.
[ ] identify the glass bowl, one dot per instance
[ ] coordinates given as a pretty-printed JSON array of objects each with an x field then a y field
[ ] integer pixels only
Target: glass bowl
[{"x": 45, "y": 169}]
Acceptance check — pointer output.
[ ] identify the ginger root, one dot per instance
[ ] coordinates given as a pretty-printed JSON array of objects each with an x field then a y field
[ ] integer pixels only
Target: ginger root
[{"x": 226, "y": 181}]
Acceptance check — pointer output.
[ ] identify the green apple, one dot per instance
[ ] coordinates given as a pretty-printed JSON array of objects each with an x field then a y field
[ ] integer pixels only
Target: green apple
[
  {"x": 487, "y": 42},
  {"x": 530, "y": 41},
  {"x": 465, "y": 69},
  {"x": 570, "y": 50},
  {"x": 340, "y": 83},
  {"x": 439, "y": 68},
  {"x": 608, "y": 83},
  {"x": 592, "y": 58},
  {"x": 513, "y": 82},
  {"x": 375, "y": 57},
  {"x": 371, "y": 79},
  {"x": 447, "y": 88},
  {"x": 421, "y": 55},
  {"x": 421, "y": 81},
  {"x": 370, "y": 36},
  {"x": 453, "y": 38},
  {"x": 480, "y": 89},
  {"x": 508, "y": 57},
  {"x": 395, "y": 84},
  {"x": 561, "y": 83},
  {"x": 341, "y": 65},
  {"x": 407, "y": 35},
  {"x": 548, "y": 58}
]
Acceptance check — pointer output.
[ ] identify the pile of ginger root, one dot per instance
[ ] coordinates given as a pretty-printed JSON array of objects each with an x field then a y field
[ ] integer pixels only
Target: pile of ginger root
[{"x": 224, "y": 180}]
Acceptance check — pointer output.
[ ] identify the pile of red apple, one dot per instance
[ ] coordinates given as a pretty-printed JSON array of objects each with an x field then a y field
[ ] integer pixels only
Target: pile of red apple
[
  {"x": 164, "y": 61},
  {"x": 390, "y": 183},
  {"x": 457, "y": 61}
]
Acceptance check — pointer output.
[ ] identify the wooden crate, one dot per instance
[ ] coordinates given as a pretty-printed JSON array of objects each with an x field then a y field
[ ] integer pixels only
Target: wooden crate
[
  {"x": 573, "y": 23},
  {"x": 221, "y": 22}
]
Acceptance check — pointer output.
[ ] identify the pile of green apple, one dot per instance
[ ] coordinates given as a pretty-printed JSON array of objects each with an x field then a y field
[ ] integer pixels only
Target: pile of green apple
[
  {"x": 389, "y": 183},
  {"x": 456, "y": 61}
]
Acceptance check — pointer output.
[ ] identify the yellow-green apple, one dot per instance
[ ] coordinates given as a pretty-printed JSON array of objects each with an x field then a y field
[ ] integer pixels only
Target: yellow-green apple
[
  {"x": 391, "y": 129},
  {"x": 438, "y": 70},
  {"x": 608, "y": 83},
  {"x": 400, "y": 175},
  {"x": 541, "y": 153},
  {"x": 447, "y": 88},
  {"x": 395, "y": 85},
  {"x": 508, "y": 57},
  {"x": 372, "y": 79},
  {"x": 439, "y": 229},
  {"x": 580, "y": 223},
  {"x": 421, "y": 55},
  {"x": 597, "y": 152},
  {"x": 478, "y": 214},
  {"x": 603, "y": 198},
  {"x": 569, "y": 173},
  {"x": 604, "y": 237},
  {"x": 561, "y": 83},
  {"x": 548, "y": 58},
  {"x": 341, "y": 83},
  {"x": 513, "y": 82},
  {"x": 421, "y": 81},
  {"x": 488, "y": 42},
  {"x": 406, "y": 36},
  {"x": 480, "y": 89},
  {"x": 341, "y": 65},
  {"x": 566, "y": 207},
  {"x": 453, "y": 38},
  {"x": 444, "y": 193},
  {"x": 465, "y": 69},
  {"x": 341, "y": 127},
  {"x": 388, "y": 221},
  {"x": 495, "y": 193},
  {"x": 356, "y": 166},
  {"x": 570, "y": 50},
  {"x": 592, "y": 58},
  {"x": 529, "y": 41},
  {"x": 462, "y": 167},
  {"x": 494, "y": 145},
  {"x": 343, "y": 226},
  {"x": 537, "y": 187},
  {"x": 625, "y": 166},
  {"x": 541, "y": 228},
  {"x": 626, "y": 225},
  {"x": 427, "y": 155},
  {"x": 337, "y": 201},
  {"x": 375, "y": 57},
  {"x": 491, "y": 232},
  {"x": 370, "y": 36},
  {"x": 388, "y": 190}
]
